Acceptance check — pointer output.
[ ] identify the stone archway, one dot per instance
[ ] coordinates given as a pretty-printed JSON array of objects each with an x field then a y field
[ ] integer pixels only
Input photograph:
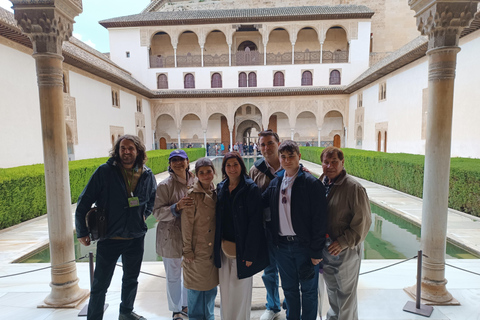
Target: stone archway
[
  {"x": 332, "y": 126},
  {"x": 247, "y": 131}
]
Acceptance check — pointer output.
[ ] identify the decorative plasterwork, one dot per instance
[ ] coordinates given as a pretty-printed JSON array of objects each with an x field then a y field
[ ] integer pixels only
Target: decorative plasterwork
[
  {"x": 71, "y": 116},
  {"x": 334, "y": 105},
  {"x": 47, "y": 26},
  {"x": 443, "y": 21}
]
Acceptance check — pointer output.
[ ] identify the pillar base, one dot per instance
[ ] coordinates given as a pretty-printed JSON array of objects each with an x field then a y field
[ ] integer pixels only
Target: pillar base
[
  {"x": 67, "y": 295},
  {"x": 434, "y": 293}
]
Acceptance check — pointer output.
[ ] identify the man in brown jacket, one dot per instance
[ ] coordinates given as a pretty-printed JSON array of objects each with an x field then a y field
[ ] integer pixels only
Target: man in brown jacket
[{"x": 349, "y": 219}]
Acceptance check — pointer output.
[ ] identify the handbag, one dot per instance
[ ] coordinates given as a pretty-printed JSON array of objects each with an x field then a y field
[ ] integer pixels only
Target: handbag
[
  {"x": 229, "y": 248},
  {"x": 96, "y": 220}
]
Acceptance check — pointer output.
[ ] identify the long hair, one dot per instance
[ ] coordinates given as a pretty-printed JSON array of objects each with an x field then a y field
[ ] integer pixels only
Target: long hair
[
  {"x": 236, "y": 155},
  {"x": 141, "y": 150}
]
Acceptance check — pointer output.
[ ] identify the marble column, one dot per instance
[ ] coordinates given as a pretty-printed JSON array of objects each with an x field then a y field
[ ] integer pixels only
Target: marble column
[
  {"x": 205, "y": 142},
  {"x": 231, "y": 140},
  {"x": 293, "y": 52},
  {"x": 292, "y": 133},
  {"x": 321, "y": 52},
  {"x": 175, "y": 55},
  {"x": 319, "y": 137},
  {"x": 229, "y": 54},
  {"x": 443, "y": 22},
  {"x": 179, "y": 140},
  {"x": 47, "y": 27}
]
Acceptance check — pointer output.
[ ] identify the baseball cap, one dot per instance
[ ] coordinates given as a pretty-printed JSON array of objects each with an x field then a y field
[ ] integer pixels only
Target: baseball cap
[{"x": 178, "y": 153}]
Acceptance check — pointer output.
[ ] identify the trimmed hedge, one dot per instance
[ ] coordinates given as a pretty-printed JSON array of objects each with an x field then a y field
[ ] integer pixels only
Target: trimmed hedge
[
  {"x": 22, "y": 189},
  {"x": 404, "y": 172}
]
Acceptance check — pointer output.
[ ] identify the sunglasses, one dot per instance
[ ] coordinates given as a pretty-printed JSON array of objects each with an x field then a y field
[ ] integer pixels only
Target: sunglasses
[{"x": 284, "y": 195}]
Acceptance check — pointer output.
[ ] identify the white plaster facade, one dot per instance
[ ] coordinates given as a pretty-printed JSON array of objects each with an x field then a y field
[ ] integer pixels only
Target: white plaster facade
[{"x": 398, "y": 118}]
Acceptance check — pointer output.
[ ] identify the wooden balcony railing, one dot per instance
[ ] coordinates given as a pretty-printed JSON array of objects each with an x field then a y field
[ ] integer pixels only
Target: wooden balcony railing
[{"x": 251, "y": 58}]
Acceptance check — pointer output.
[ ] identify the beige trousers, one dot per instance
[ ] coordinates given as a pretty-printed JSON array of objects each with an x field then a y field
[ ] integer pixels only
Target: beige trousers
[{"x": 235, "y": 294}]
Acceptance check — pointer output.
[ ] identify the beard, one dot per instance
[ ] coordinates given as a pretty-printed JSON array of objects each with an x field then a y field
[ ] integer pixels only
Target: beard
[{"x": 127, "y": 160}]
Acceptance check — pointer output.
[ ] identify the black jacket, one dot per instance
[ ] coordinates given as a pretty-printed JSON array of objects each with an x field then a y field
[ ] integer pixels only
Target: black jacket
[
  {"x": 308, "y": 210},
  {"x": 250, "y": 239},
  {"x": 108, "y": 190}
]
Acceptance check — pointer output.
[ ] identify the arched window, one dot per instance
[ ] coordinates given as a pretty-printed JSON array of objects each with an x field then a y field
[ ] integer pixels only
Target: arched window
[
  {"x": 306, "y": 78},
  {"x": 252, "y": 79},
  {"x": 335, "y": 77},
  {"x": 189, "y": 82},
  {"x": 216, "y": 80},
  {"x": 162, "y": 82},
  {"x": 251, "y": 46},
  {"x": 278, "y": 79},
  {"x": 242, "y": 79}
]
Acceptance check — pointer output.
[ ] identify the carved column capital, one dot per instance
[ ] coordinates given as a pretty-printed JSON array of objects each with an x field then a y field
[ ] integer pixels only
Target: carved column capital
[
  {"x": 443, "y": 20},
  {"x": 47, "y": 23}
]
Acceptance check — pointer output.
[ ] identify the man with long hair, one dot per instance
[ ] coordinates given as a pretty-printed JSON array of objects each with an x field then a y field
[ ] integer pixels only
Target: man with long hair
[{"x": 125, "y": 188}]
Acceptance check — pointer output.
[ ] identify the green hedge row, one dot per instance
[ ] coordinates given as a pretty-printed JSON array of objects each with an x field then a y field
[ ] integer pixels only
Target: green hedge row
[
  {"x": 22, "y": 189},
  {"x": 404, "y": 172}
]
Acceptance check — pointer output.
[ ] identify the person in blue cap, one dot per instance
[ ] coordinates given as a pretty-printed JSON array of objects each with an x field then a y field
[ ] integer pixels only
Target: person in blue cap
[{"x": 171, "y": 199}]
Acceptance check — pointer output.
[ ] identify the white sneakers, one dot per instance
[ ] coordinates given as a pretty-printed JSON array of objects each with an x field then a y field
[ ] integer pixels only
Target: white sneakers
[{"x": 269, "y": 315}]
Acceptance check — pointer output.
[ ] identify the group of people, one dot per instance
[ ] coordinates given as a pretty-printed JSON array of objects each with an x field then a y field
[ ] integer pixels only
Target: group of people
[{"x": 274, "y": 217}]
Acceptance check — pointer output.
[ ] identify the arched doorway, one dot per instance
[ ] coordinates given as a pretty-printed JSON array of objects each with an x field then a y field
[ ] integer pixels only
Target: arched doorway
[
  {"x": 337, "y": 142},
  {"x": 163, "y": 143},
  {"x": 332, "y": 129}
]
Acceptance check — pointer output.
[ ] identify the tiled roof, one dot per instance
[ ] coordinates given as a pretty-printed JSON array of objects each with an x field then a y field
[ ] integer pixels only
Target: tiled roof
[
  {"x": 78, "y": 54},
  {"x": 249, "y": 92},
  {"x": 410, "y": 52},
  {"x": 193, "y": 17}
]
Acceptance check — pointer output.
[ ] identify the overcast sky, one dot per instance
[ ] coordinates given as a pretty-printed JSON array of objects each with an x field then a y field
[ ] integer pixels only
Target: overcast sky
[{"x": 86, "y": 27}]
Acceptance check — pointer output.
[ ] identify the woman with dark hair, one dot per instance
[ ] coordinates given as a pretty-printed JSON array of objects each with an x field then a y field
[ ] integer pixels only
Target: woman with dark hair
[
  {"x": 240, "y": 245},
  {"x": 170, "y": 200}
]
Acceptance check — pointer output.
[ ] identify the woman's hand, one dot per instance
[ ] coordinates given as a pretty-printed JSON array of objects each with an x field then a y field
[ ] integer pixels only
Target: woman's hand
[
  {"x": 335, "y": 248},
  {"x": 316, "y": 261},
  {"x": 184, "y": 202},
  {"x": 187, "y": 260},
  {"x": 248, "y": 263}
]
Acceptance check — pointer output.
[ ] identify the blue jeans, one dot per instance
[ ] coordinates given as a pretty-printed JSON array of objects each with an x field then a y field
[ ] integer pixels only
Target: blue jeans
[
  {"x": 270, "y": 280},
  {"x": 201, "y": 304},
  {"x": 108, "y": 252},
  {"x": 296, "y": 270}
]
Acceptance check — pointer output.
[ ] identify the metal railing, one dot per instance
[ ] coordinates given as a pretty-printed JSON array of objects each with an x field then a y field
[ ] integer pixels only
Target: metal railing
[{"x": 249, "y": 58}]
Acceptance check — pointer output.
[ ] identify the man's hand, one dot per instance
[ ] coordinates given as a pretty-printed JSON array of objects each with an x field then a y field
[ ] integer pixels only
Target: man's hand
[
  {"x": 335, "y": 248},
  {"x": 316, "y": 261},
  {"x": 184, "y": 202},
  {"x": 85, "y": 241}
]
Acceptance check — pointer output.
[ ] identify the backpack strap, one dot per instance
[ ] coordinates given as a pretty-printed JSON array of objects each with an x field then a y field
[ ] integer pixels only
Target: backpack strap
[{"x": 262, "y": 166}]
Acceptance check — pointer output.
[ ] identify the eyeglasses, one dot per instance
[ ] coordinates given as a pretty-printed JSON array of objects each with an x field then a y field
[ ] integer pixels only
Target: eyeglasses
[{"x": 284, "y": 195}]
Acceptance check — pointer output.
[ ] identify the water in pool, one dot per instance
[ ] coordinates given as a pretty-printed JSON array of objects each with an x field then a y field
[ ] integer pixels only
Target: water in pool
[{"x": 390, "y": 236}]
